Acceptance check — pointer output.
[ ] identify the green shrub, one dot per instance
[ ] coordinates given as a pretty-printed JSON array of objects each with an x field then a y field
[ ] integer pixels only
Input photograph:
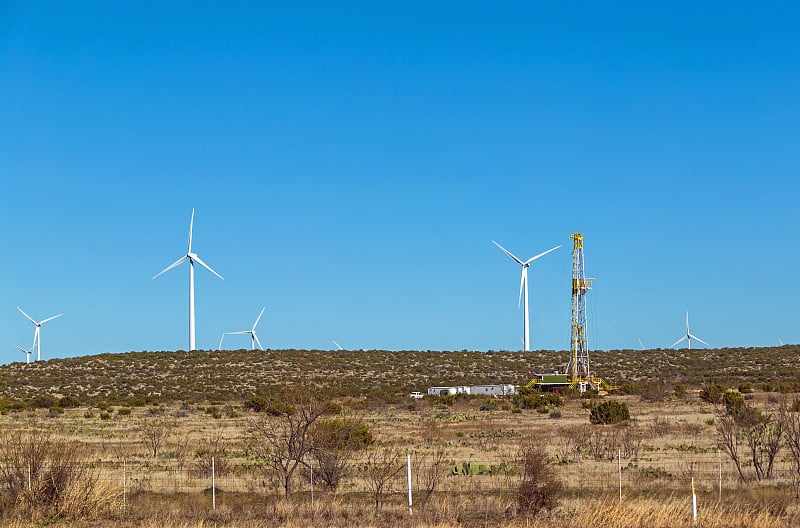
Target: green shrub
[
  {"x": 124, "y": 411},
  {"x": 712, "y": 393},
  {"x": 541, "y": 401},
  {"x": 43, "y": 401},
  {"x": 69, "y": 402},
  {"x": 610, "y": 412}
]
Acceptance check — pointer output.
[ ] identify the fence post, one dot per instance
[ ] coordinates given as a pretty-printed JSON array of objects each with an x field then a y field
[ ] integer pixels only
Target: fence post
[
  {"x": 619, "y": 471},
  {"x": 29, "y": 477},
  {"x": 719, "y": 459},
  {"x": 408, "y": 465},
  {"x": 694, "y": 503},
  {"x": 124, "y": 488},
  {"x": 311, "y": 470},
  {"x": 213, "y": 486}
]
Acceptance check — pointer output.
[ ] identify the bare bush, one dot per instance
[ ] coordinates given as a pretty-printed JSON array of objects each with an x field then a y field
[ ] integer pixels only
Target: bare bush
[
  {"x": 46, "y": 477},
  {"x": 540, "y": 489},
  {"x": 430, "y": 468},
  {"x": 381, "y": 466}
]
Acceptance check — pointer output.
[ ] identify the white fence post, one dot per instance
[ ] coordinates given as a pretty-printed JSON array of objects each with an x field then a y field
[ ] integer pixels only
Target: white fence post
[
  {"x": 213, "y": 486},
  {"x": 124, "y": 487},
  {"x": 408, "y": 465},
  {"x": 619, "y": 471}
]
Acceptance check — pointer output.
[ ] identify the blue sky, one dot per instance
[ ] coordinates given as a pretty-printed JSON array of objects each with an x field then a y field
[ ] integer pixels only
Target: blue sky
[{"x": 350, "y": 164}]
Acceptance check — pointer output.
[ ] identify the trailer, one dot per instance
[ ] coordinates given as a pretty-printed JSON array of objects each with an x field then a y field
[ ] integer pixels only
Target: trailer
[{"x": 493, "y": 390}]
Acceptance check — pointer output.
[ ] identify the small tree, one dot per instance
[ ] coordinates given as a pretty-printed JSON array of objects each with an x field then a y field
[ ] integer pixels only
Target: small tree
[
  {"x": 155, "y": 432},
  {"x": 738, "y": 426},
  {"x": 335, "y": 442},
  {"x": 381, "y": 466},
  {"x": 282, "y": 442}
]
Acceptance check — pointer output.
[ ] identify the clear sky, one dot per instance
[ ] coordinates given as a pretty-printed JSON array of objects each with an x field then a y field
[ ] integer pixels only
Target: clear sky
[{"x": 350, "y": 163}]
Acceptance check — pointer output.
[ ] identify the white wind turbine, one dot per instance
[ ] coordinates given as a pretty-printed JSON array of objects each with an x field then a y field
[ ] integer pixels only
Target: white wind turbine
[
  {"x": 252, "y": 332},
  {"x": 192, "y": 258},
  {"x": 523, "y": 287},
  {"x": 689, "y": 336},
  {"x": 37, "y": 334},
  {"x": 26, "y": 352}
]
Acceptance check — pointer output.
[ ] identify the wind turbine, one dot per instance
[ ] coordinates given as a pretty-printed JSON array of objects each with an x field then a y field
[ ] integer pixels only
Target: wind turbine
[
  {"x": 37, "y": 334},
  {"x": 338, "y": 345},
  {"x": 523, "y": 285},
  {"x": 26, "y": 352},
  {"x": 252, "y": 332},
  {"x": 192, "y": 258},
  {"x": 689, "y": 336}
]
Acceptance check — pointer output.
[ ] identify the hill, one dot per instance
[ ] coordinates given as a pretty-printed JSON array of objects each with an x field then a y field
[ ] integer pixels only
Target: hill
[{"x": 237, "y": 375}]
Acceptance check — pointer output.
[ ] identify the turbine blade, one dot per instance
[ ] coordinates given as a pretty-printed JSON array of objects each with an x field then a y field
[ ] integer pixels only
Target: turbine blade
[
  {"x": 259, "y": 318},
  {"x": 260, "y": 346},
  {"x": 176, "y": 263},
  {"x": 26, "y": 315},
  {"x": 687, "y": 322},
  {"x": 678, "y": 341},
  {"x": 21, "y": 349},
  {"x": 220, "y": 341},
  {"x": 338, "y": 345},
  {"x": 507, "y": 252},
  {"x": 697, "y": 338},
  {"x": 542, "y": 254},
  {"x": 206, "y": 266},
  {"x": 240, "y": 332},
  {"x": 50, "y": 318},
  {"x": 191, "y": 224},
  {"x": 521, "y": 285}
]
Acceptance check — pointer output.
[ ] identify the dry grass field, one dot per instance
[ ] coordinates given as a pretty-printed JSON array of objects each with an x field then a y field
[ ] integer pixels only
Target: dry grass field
[
  {"x": 659, "y": 451},
  {"x": 131, "y": 439}
]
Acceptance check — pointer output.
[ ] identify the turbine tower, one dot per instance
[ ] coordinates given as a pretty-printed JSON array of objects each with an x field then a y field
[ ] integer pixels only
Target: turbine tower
[
  {"x": 26, "y": 352},
  {"x": 192, "y": 258},
  {"x": 689, "y": 336},
  {"x": 578, "y": 368},
  {"x": 523, "y": 287},
  {"x": 252, "y": 332},
  {"x": 37, "y": 334}
]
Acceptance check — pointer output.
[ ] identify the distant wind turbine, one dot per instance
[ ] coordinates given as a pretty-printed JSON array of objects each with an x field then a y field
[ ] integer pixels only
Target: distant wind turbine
[
  {"x": 523, "y": 287},
  {"x": 338, "y": 345},
  {"x": 781, "y": 342},
  {"x": 689, "y": 336},
  {"x": 37, "y": 334},
  {"x": 252, "y": 332},
  {"x": 192, "y": 258},
  {"x": 641, "y": 345},
  {"x": 26, "y": 352}
]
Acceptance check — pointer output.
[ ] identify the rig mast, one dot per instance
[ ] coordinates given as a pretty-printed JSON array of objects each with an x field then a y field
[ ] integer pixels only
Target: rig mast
[{"x": 578, "y": 368}]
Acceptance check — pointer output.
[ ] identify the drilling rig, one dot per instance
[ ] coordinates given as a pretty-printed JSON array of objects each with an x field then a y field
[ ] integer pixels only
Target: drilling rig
[
  {"x": 577, "y": 375},
  {"x": 580, "y": 375}
]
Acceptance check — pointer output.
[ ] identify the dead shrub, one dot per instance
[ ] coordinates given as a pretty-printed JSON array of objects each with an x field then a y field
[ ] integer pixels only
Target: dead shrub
[
  {"x": 42, "y": 477},
  {"x": 540, "y": 489}
]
